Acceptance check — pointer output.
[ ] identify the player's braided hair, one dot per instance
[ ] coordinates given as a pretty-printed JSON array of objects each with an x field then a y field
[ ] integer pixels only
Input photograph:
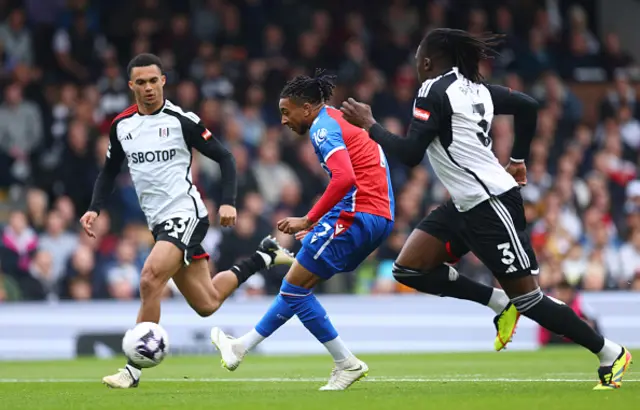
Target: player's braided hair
[
  {"x": 314, "y": 90},
  {"x": 462, "y": 49}
]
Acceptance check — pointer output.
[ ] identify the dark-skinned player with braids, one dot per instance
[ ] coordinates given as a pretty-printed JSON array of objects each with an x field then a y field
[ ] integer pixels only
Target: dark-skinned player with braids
[
  {"x": 353, "y": 217},
  {"x": 452, "y": 117}
]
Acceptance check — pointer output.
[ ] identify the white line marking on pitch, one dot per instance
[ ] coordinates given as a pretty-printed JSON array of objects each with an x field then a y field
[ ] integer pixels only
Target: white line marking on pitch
[{"x": 317, "y": 379}]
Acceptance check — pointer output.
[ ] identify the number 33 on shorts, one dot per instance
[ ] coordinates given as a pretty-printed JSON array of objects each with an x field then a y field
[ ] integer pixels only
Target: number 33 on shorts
[
  {"x": 181, "y": 231},
  {"x": 176, "y": 227}
]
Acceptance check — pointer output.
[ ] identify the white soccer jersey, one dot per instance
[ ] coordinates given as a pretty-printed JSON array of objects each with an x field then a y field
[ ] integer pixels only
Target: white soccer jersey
[
  {"x": 461, "y": 155},
  {"x": 157, "y": 148}
]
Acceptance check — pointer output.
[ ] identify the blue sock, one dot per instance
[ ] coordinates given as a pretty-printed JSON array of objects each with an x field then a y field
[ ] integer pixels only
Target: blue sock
[
  {"x": 277, "y": 315},
  {"x": 310, "y": 312}
]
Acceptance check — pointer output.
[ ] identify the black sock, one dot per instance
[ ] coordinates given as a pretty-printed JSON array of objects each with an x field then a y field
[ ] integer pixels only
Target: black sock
[
  {"x": 558, "y": 318},
  {"x": 248, "y": 266},
  {"x": 441, "y": 281}
]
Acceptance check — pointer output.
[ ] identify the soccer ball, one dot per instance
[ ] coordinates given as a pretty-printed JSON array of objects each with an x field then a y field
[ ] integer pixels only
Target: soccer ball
[{"x": 146, "y": 344}]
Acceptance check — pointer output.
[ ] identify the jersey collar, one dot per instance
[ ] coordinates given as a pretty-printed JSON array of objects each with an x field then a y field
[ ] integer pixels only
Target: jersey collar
[{"x": 164, "y": 104}]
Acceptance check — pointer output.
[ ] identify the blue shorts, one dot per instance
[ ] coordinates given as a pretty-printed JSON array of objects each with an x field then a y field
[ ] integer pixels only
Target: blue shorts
[{"x": 341, "y": 241}]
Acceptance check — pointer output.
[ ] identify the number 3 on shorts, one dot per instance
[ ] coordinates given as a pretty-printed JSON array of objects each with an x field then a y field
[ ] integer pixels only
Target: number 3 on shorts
[
  {"x": 507, "y": 256},
  {"x": 174, "y": 229}
]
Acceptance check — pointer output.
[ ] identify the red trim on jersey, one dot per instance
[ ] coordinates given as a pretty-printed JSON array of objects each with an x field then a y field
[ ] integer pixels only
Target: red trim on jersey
[
  {"x": 127, "y": 112},
  {"x": 342, "y": 180},
  {"x": 201, "y": 256}
]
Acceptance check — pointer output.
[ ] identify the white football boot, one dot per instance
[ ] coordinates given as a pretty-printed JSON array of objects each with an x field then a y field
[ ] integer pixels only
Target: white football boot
[
  {"x": 121, "y": 380},
  {"x": 346, "y": 374},
  {"x": 278, "y": 253},
  {"x": 231, "y": 350}
]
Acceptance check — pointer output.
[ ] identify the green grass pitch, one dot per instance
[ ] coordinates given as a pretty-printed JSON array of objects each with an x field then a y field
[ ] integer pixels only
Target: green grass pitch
[{"x": 549, "y": 380}]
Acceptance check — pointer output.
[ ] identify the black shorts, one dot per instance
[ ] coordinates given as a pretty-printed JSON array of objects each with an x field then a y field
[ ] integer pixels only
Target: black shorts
[
  {"x": 185, "y": 233},
  {"x": 494, "y": 230}
]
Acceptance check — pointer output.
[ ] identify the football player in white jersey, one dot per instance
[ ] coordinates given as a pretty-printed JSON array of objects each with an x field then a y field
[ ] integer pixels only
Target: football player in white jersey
[
  {"x": 452, "y": 116},
  {"x": 156, "y": 138}
]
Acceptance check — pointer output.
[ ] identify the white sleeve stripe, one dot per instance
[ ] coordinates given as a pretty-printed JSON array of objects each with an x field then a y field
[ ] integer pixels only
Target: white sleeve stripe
[
  {"x": 178, "y": 110},
  {"x": 424, "y": 90},
  {"x": 333, "y": 151}
]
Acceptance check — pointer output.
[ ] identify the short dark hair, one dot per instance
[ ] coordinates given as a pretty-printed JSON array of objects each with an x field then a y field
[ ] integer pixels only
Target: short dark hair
[
  {"x": 462, "y": 49},
  {"x": 314, "y": 90},
  {"x": 144, "y": 60}
]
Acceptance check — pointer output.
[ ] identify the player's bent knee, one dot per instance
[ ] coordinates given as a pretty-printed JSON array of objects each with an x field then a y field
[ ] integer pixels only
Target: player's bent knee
[
  {"x": 432, "y": 281},
  {"x": 207, "y": 309},
  {"x": 403, "y": 274},
  {"x": 150, "y": 281}
]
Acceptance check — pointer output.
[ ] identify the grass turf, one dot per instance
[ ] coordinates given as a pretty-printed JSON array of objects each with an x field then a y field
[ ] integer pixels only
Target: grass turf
[{"x": 549, "y": 380}]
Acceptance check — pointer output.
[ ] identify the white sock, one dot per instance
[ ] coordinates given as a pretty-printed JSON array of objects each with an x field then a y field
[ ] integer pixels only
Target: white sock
[
  {"x": 251, "y": 339},
  {"x": 338, "y": 350},
  {"x": 136, "y": 373},
  {"x": 498, "y": 301},
  {"x": 267, "y": 259},
  {"x": 609, "y": 353}
]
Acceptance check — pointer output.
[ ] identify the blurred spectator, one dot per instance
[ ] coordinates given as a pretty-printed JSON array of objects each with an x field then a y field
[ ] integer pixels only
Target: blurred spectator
[
  {"x": 19, "y": 243},
  {"x": 59, "y": 243},
  {"x": 630, "y": 261},
  {"x": 76, "y": 50},
  {"x": 123, "y": 277},
  {"x": 20, "y": 133},
  {"x": 78, "y": 281},
  {"x": 16, "y": 39},
  {"x": 214, "y": 83},
  {"x": 613, "y": 57},
  {"x": 36, "y": 208},
  {"x": 271, "y": 174},
  {"x": 536, "y": 59},
  {"x": 621, "y": 94},
  {"x": 41, "y": 269}
]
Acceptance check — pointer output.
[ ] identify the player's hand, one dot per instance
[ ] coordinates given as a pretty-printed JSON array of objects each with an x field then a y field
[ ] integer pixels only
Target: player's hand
[
  {"x": 300, "y": 235},
  {"x": 227, "y": 215},
  {"x": 357, "y": 113},
  {"x": 518, "y": 170},
  {"x": 87, "y": 222},
  {"x": 294, "y": 225}
]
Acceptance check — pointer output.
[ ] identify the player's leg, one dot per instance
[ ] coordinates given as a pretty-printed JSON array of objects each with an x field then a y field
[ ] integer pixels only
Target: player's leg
[
  {"x": 162, "y": 263},
  {"x": 421, "y": 266},
  {"x": 296, "y": 291},
  {"x": 206, "y": 294},
  {"x": 322, "y": 255},
  {"x": 233, "y": 350},
  {"x": 497, "y": 235},
  {"x": 296, "y": 298}
]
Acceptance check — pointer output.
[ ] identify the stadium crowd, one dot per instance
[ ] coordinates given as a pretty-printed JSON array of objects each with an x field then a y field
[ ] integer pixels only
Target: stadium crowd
[{"x": 62, "y": 78}]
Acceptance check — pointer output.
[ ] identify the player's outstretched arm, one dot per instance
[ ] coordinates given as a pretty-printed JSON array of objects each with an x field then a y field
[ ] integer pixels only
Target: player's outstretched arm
[
  {"x": 410, "y": 149},
  {"x": 201, "y": 139},
  {"x": 525, "y": 111}
]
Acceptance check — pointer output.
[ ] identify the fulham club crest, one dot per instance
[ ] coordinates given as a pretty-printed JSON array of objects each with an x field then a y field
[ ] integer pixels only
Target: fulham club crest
[{"x": 163, "y": 132}]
